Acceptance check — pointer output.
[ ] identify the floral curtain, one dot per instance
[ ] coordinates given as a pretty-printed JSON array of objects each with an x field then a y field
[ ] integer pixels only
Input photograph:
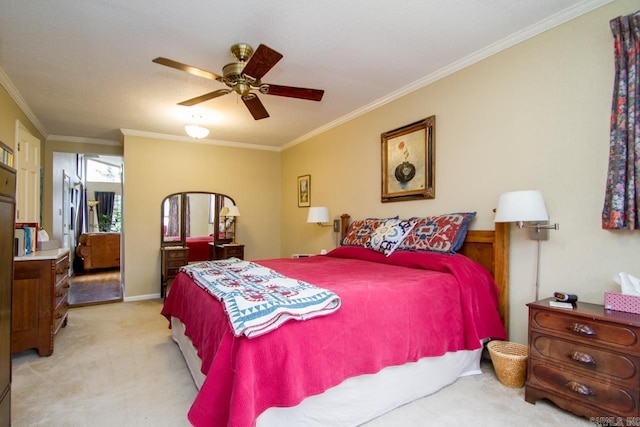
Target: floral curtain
[
  {"x": 622, "y": 198},
  {"x": 173, "y": 227},
  {"x": 187, "y": 218}
]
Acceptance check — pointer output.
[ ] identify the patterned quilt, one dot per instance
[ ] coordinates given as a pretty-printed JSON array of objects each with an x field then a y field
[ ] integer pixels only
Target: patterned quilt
[{"x": 258, "y": 299}]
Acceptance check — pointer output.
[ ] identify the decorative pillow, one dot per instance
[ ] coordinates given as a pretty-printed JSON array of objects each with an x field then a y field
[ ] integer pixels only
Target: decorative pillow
[
  {"x": 359, "y": 232},
  {"x": 389, "y": 235},
  {"x": 442, "y": 233}
]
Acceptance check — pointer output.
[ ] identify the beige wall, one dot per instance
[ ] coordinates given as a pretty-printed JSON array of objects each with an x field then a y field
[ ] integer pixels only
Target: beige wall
[
  {"x": 154, "y": 168},
  {"x": 535, "y": 116},
  {"x": 9, "y": 113}
]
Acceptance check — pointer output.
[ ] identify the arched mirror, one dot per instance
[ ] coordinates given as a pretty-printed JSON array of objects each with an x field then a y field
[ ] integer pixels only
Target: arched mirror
[{"x": 192, "y": 219}]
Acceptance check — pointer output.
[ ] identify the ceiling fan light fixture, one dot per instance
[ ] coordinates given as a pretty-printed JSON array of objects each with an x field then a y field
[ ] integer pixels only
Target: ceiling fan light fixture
[
  {"x": 197, "y": 132},
  {"x": 243, "y": 76}
]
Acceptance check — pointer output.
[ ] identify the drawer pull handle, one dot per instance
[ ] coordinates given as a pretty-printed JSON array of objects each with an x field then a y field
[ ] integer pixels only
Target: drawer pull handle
[
  {"x": 581, "y": 357},
  {"x": 582, "y": 329},
  {"x": 578, "y": 388}
]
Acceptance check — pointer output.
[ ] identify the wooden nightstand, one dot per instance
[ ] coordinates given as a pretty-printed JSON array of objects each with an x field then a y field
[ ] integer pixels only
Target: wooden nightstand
[
  {"x": 173, "y": 257},
  {"x": 585, "y": 360},
  {"x": 228, "y": 250}
]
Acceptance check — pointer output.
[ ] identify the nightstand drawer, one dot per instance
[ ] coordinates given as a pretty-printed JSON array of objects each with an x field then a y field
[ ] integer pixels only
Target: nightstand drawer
[
  {"x": 229, "y": 251},
  {"x": 586, "y": 330},
  {"x": 589, "y": 360},
  {"x": 235, "y": 251},
  {"x": 583, "y": 390}
]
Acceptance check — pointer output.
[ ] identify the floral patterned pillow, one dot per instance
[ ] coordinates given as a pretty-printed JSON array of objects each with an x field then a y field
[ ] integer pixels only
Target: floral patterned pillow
[
  {"x": 360, "y": 231},
  {"x": 389, "y": 235},
  {"x": 442, "y": 233}
]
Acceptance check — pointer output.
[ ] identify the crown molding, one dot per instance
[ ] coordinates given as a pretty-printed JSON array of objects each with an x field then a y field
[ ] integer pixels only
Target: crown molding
[
  {"x": 510, "y": 41},
  {"x": 218, "y": 142},
  {"x": 82, "y": 140},
  {"x": 22, "y": 104}
]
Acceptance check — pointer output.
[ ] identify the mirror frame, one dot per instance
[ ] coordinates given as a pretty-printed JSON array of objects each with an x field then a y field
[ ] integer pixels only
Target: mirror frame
[{"x": 218, "y": 204}]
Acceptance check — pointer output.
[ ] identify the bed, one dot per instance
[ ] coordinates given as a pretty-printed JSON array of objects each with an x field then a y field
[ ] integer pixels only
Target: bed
[
  {"x": 378, "y": 351},
  {"x": 199, "y": 248}
]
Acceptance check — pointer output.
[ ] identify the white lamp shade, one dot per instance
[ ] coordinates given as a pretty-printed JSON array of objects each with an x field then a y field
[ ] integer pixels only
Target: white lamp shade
[
  {"x": 233, "y": 211},
  {"x": 318, "y": 214},
  {"x": 197, "y": 132},
  {"x": 517, "y": 206}
]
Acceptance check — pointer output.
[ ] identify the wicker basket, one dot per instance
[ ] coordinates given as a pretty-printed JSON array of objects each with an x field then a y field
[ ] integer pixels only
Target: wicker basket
[{"x": 509, "y": 361}]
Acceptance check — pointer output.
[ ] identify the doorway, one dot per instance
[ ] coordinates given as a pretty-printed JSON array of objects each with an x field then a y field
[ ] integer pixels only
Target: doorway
[{"x": 97, "y": 275}]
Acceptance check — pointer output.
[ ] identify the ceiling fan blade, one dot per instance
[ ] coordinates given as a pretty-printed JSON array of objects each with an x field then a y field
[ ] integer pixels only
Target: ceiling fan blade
[
  {"x": 295, "y": 92},
  {"x": 255, "y": 106},
  {"x": 205, "y": 97},
  {"x": 188, "y": 68},
  {"x": 262, "y": 60}
]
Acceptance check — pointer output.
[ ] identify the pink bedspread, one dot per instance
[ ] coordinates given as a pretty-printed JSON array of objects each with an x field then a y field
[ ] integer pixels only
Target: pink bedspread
[{"x": 395, "y": 310}]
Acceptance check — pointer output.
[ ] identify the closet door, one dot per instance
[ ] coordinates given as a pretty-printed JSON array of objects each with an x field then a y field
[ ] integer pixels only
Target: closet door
[{"x": 28, "y": 167}]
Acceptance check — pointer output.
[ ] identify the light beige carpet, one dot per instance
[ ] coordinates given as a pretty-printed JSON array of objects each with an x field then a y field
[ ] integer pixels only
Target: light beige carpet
[{"x": 116, "y": 365}]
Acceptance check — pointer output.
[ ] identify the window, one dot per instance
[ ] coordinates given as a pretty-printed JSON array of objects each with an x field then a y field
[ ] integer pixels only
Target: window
[{"x": 102, "y": 172}]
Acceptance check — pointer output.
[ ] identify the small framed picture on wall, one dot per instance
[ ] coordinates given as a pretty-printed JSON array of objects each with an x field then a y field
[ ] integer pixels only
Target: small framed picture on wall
[{"x": 304, "y": 191}]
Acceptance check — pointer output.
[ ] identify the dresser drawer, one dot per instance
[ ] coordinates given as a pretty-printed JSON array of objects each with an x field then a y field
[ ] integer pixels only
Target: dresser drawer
[
  {"x": 60, "y": 312},
  {"x": 585, "y": 330},
  {"x": 181, "y": 255},
  {"x": 176, "y": 262},
  {"x": 584, "y": 390},
  {"x": 62, "y": 269},
  {"x": 586, "y": 359},
  {"x": 61, "y": 291},
  {"x": 173, "y": 272}
]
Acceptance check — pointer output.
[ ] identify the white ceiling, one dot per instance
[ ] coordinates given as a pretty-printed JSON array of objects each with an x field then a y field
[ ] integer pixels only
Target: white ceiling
[{"x": 82, "y": 70}]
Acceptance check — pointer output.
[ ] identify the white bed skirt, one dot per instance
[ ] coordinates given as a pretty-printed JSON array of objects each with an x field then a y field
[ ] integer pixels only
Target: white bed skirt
[{"x": 359, "y": 399}]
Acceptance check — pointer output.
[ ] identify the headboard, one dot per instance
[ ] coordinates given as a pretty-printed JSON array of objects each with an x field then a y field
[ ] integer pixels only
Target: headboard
[{"x": 487, "y": 247}]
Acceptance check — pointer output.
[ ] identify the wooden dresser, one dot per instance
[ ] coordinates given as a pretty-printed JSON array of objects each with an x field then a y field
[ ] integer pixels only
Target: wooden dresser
[
  {"x": 172, "y": 258},
  {"x": 225, "y": 251},
  {"x": 40, "y": 300},
  {"x": 7, "y": 215},
  {"x": 585, "y": 360}
]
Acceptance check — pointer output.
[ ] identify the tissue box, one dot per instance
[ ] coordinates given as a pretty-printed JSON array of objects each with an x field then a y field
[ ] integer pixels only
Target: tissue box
[
  {"x": 48, "y": 244},
  {"x": 621, "y": 302}
]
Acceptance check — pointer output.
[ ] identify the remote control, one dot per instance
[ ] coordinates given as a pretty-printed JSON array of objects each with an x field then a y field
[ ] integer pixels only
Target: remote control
[{"x": 561, "y": 296}]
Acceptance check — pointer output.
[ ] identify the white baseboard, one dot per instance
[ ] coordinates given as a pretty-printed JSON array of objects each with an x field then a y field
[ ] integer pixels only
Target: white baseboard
[{"x": 142, "y": 297}]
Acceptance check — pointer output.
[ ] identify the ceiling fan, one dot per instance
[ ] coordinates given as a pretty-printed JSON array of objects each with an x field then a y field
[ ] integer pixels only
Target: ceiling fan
[{"x": 244, "y": 76}]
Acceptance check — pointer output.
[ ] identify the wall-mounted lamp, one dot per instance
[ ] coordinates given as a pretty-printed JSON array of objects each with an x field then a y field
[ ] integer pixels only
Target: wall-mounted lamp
[
  {"x": 196, "y": 131},
  {"x": 526, "y": 206},
  {"x": 230, "y": 212},
  {"x": 319, "y": 215}
]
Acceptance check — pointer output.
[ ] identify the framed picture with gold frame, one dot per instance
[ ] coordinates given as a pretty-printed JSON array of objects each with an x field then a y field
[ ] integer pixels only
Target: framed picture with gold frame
[
  {"x": 408, "y": 162},
  {"x": 304, "y": 191}
]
